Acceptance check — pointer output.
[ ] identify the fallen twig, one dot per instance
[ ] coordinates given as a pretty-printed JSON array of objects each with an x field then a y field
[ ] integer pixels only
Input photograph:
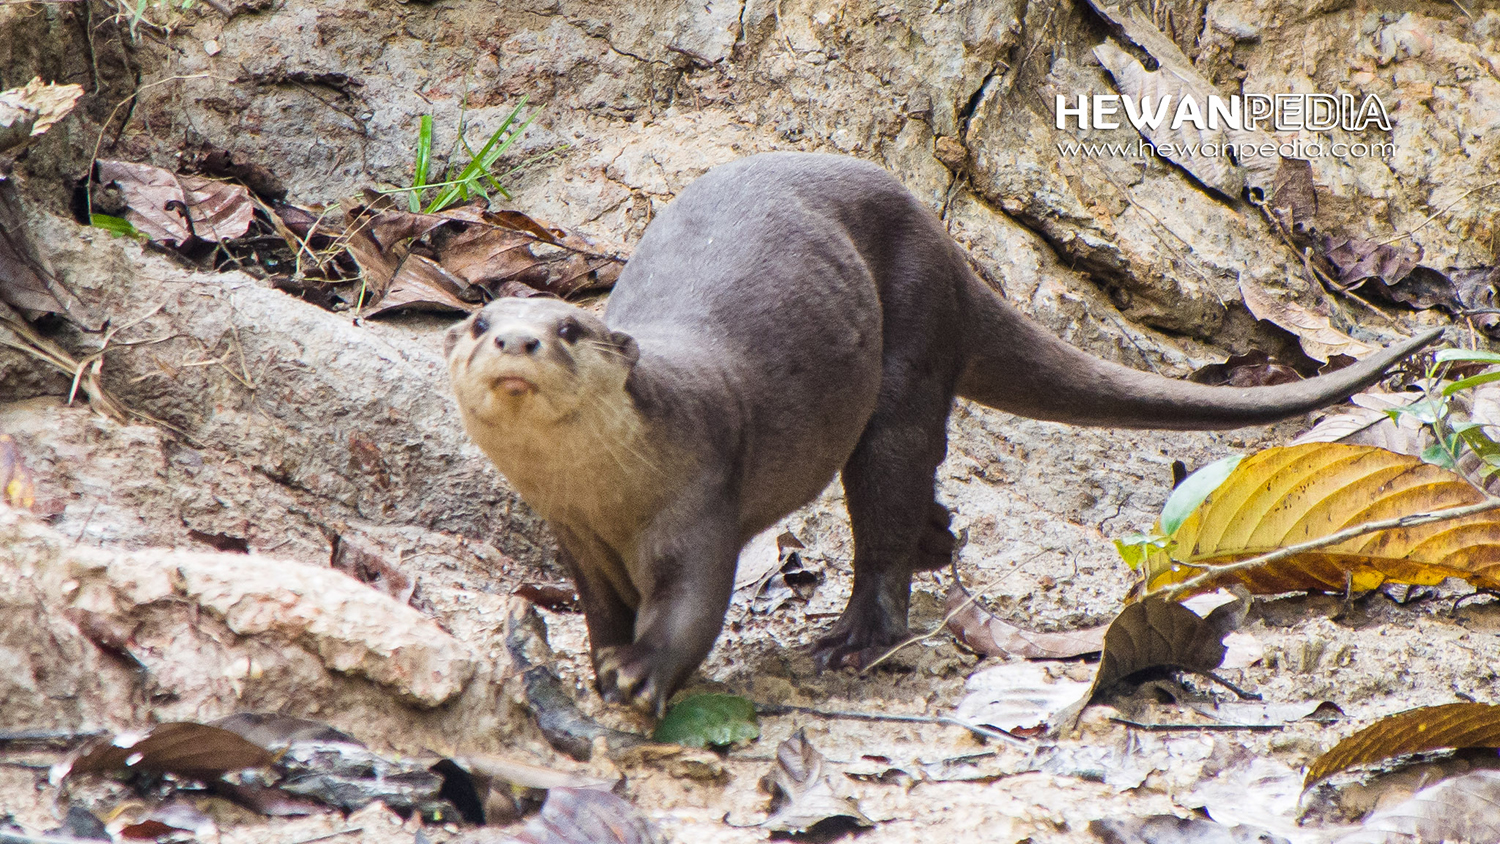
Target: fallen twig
[{"x": 986, "y": 732}]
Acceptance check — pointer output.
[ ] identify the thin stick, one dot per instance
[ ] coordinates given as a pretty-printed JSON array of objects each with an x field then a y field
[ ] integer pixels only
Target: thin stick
[
  {"x": 986, "y": 732},
  {"x": 1213, "y": 572},
  {"x": 327, "y": 835},
  {"x": 943, "y": 625}
]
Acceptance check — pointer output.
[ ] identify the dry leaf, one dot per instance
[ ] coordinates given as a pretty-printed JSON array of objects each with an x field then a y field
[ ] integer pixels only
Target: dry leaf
[
  {"x": 1453, "y": 726},
  {"x": 1252, "y": 369},
  {"x": 1293, "y": 192},
  {"x": 1157, "y": 633},
  {"x": 1319, "y": 338},
  {"x": 803, "y": 795},
  {"x": 29, "y": 111},
  {"x": 27, "y": 280},
  {"x": 1133, "y": 80},
  {"x": 986, "y": 634},
  {"x": 1284, "y": 496},
  {"x": 173, "y": 209},
  {"x": 187, "y": 749},
  {"x": 1177, "y": 74},
  {"x": 587, "y": 816},
  {"x": 1017, "y": 697},
  {"x": 1461, "y": 809},
  {"x": 17, "y": 489}
]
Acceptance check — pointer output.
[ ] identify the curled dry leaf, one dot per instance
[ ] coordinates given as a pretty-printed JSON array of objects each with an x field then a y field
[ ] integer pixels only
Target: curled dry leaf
[
  {"x": 1454, "y": 726},
  {"x": 1156, "y": 633},
  {"x": 1285, "y": 496},
  {"x": 29, "y": 111},
  {"x": 557, "y": 715},
  {"x": 989, "y": 635},
  {"x": 27, "y": 279},
  {"x": 587, "y": 816},
  {"x": 192, "y": 750},
  {"x": 1168, "y": 84},
  {"x": 1252, "y": 369},
  {"x": 1319, "y": 338},
  {"x": 174, "y": 209},
  {"x": 802, "y": 792},
  {"x": 17, "y": 488},
  {"x": 1457, "y": 809},
  {"x": 1177, "y": 76}
]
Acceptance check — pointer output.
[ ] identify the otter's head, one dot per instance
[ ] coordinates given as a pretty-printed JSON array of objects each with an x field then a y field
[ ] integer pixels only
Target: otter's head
[{"x": 524, "y": 362}]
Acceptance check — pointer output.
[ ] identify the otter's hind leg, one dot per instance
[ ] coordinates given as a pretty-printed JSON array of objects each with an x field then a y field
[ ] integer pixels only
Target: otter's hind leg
[{"x": 898, "y": 525}]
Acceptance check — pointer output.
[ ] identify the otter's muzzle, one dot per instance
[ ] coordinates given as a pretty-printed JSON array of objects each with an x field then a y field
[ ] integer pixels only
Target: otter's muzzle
[{"x": 517, "y": 341}]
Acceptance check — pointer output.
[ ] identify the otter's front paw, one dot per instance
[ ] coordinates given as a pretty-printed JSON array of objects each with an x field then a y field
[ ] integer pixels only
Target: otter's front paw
[
  {"x": 857, "y": 639},
  {"x": 627, "y": 674}
]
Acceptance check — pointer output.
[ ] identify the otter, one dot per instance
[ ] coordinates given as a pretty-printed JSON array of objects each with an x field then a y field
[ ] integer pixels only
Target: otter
[{"x": 788, "y": 317}]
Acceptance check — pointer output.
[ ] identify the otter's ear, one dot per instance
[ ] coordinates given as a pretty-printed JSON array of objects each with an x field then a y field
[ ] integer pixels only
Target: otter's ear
[
  {"x": 628, "y": 350},
  {"x": 451, "y": 338}
]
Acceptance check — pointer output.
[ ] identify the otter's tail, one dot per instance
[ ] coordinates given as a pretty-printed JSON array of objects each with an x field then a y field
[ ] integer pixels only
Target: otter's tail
[{"x": 1017, "y": 366}]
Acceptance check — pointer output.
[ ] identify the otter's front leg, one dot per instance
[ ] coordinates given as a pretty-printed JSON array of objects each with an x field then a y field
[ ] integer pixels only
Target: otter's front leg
[{"x": 687, "y": 556}]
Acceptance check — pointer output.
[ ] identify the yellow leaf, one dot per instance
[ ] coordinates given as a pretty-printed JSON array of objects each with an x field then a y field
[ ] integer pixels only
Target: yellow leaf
[
  {"x": 1451, "y": 726},
  {"x": 1286, "y": 496}
]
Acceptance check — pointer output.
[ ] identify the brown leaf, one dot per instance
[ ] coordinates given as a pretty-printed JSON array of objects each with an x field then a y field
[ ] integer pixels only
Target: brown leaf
[
  {"x": 422, "y": 284},
  {"x": 1453, "y": 726},
  {"x": 187, "y": 749},
  {"x": 392, "y": 227},
  {"x": 1461, "y": 809},
  {"x": 1319, "y": 338},
  {"x": 557, "y": 597},
  {"x": 1292, "y": 191},
  {"x": 587, "y": 816},
  {"x": 987, "y": 634},
  {"x": 172, "y": 817},
  {"x": 171, "y": 209},
  {"x": 1358, "y": 259},
  {"x": 27, "y": 280},
  {"x": 1156, "y": 633},
  {"x": 802, "y": 793},
  {"x": 1252, "y": 369},
  {"x": 17, "y": 488}
]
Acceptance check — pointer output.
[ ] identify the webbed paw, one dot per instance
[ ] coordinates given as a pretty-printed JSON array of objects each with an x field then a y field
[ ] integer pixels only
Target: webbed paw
[{"x": 628, "y": 674}]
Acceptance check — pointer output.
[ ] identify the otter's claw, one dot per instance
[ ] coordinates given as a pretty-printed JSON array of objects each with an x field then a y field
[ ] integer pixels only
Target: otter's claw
[{"x": 625, "y": 675}]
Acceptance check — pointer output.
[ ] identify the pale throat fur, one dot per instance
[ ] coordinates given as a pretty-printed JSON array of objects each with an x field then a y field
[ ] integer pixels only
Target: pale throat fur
[{"x": 557, "y": 420}]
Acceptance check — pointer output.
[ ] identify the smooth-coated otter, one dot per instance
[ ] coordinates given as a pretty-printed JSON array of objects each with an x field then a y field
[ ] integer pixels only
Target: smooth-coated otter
[{"x": 787, "y": 317}]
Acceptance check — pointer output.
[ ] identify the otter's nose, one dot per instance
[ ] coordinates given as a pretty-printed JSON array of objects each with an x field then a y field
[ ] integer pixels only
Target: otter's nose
[{"x": 517, "y": 342}]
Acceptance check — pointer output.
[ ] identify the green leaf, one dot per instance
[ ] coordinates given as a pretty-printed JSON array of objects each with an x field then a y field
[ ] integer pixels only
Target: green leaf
[
  {"x": 1427, "y": 411},
  {"x": 1193, "y": 490},
  {"x": 1438, "y": 456},
  {"x": 1472, "y": 381},
  {"x": 1134, "y": 548},
  {"x": 423, "y": 163},
  {"x": 708, "y": 720},
  {"x": 483, "y": 160},
  {"x": 117, "y": 226},
  {"x": 1452, "y": 355}
]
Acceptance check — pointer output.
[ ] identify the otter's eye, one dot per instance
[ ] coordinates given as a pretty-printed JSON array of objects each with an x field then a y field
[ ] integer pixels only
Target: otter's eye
[
  {"x": 569, "y": 331},
  {"x": 480, "y": 326}
]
